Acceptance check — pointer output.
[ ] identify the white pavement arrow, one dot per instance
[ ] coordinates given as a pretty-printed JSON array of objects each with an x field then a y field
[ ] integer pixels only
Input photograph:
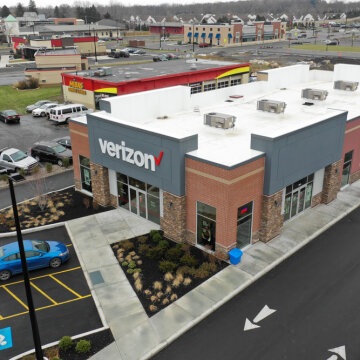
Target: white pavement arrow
[
  {"x": 340, "y": 351},
  {"x": 265, "y": 312},
  {"x": 333, "y": 357}
]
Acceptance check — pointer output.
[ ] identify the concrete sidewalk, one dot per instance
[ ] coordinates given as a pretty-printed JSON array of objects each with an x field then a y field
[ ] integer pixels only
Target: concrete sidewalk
[{"x": 139, "y": 337}]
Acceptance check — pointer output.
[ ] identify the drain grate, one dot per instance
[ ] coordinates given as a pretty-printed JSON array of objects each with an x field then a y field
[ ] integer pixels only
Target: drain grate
[{"x": 96, "y": 277}]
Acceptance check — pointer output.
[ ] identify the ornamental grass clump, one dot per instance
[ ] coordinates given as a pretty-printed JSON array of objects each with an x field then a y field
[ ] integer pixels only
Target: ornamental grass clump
[
  {"x": 157, "y": 285},
  {"x": 168, "y": 276}
]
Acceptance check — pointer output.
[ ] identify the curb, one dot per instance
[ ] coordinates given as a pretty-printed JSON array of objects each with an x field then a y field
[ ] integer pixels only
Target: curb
[
  {"x": 235, "y": 292},
  {"x": 87, "y": 277},
  {"x": 34, "y": 229},
  {"x": 29, "y": 352}
]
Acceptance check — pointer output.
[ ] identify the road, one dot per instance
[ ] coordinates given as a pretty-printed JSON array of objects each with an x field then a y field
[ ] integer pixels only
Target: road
[
  {"x": 316, "y": 297},
  {"x": 27, "y": 191}
]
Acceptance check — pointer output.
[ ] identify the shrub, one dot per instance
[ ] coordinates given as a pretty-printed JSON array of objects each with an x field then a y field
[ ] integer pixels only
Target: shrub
[
  {"x": 187, "y": 281},
  {"x": 176, "y": 283},
  {"x": 142, "y": 239},
  {"x": 210, "y": 267},
  {"x": 168, "y": 289},
  {"x": 132, "y": 253},
  {"x": 173, "y": 297},
  {"x": 154, "y": 299},
  {"x": 186, "y": 248},
  {"x": 185, "y": 270},
  {"x": 49, "y": 167},
  {"x": 180, "y": 277},
  {"x": 179, "y": 246},
  {"x": 130, "y": 271},
  {"x": 144, "y": 248},
  {"x": 65, "y": 343},
  {"x": 125, "y": 263},
  {"x": 153, "y": 308},
  {"x": 132, "y": 265},
  {"x": 155, "y": 253},
  {"x": 188, "y": 260},
  {"x": 153, "y": 232},
  {"x": 165, "y": 301},
  {"x": 168, "y": 276},
  {"x": 66, "y": 163},
  {"x": 164, "y": 244},
  {"x": 127, "y": 245},
  {"x": 147, "y": 292},
  {"x": 137, "y": 270},
  {"x": 83, "y": 347},
  {"x": 201, "y": 273},
  {"x": 156, "y": 238},
  {"x": 32, "y": 83},
  {"x": 139, "y": 262},
  {"x": 174, "y": 254},
  {"x": 167, "y": 266},
  {"x": 157, "y": 285},
  {"x": 4, "y": 178}
]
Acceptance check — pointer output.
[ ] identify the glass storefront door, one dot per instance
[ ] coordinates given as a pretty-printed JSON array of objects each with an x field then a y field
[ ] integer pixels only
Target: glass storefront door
[
  {"x": 138, "y": 202},
  {"x": 85, "y": 173},
  {"x": 206, "y": 225},
  {"x": 346, "y": 168},
  {"x": 244, "y": 223}
]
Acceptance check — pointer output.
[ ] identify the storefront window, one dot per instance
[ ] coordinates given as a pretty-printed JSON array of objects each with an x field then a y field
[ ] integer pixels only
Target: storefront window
[
  {"x": 153, "y": 204},
  {"x": 244, "y": 225},
  {"x": 85, "y": 173},
  {"x": 346, "y": 168},
  {"x": 137, "y": 183},
  {"x": 206, "y": 225},
  {"x": 123, "y": 195}
]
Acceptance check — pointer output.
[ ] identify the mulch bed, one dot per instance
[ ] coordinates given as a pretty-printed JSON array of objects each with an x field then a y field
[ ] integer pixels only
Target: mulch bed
[
  {"x": 59, "y": 206},
  {"x": 98, "y": 341},
  {"x": 154, "y": 300}
]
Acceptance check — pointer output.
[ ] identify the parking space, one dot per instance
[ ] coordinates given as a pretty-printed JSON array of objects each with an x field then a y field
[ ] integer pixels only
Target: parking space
[
  {"x": 29, "y": 131},
  {"x": 62, "y": 299}
]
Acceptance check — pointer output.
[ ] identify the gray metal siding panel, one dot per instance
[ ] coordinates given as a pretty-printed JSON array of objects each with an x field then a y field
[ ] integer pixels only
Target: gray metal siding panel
[{"x": 293, "y": 156}]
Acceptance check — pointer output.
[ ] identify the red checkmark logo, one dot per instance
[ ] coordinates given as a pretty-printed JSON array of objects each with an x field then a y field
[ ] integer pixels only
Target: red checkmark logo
[{"x": 158, "y": 160}]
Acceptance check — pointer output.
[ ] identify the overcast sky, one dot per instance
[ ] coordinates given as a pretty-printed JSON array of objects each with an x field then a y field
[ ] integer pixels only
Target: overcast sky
[{"x": 41, "y": 3}]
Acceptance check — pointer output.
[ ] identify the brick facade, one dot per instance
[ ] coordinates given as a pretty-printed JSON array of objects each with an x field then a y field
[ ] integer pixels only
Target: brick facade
[
  {"x": 173, "y": 223},
  {"x": 271, "y": 218},
  {"x": 316, "y": 199},
  {"x": 77, "y": 184},
  {"x": 100, "y": 184},
  {"x": 332, "y": 182},
  {"x": 354, "y": 177}
]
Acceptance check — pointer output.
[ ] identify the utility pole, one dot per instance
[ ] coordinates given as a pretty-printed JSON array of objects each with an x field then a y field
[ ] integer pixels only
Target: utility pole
[{"x": 34, "y": 324}]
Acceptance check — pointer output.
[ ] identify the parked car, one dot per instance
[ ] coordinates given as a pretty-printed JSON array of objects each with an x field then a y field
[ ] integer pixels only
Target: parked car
[
  {"x": 118, "y": 54},
  {"x": 162, "y": 57},
  {"x": 30, "y": 108},
  {"x": 164, "y": 38},
  {"x": 51, "y": 151},
  {"x": 63, "y": 113},
  {"x": 44, "y": 110},
  {"x": 17, "y": 159},
  {"x": 64, "y": 141},
  {"x": 101, "y": 41},
  {"x": 140, "y": 52},
  {"x": 129, "y": 50},
  {"x": 171, "y": 56},
  {"x": 39, "y": 254},
  {"x": 9, "y": 116},
  {"x": 331, "y": 42},
  {"x": 203, "y": 45}
]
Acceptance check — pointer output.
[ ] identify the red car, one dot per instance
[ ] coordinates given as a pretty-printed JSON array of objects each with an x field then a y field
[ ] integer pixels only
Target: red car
[{"x": 202, "y": 45}]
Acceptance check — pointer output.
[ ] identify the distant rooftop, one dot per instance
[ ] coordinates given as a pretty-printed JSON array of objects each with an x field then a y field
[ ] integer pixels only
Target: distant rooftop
[{"x": 54, "y": 51}]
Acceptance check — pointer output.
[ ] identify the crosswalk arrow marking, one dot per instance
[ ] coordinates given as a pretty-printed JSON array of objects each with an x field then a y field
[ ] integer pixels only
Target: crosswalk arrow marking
[
  {"x": 265, "y": 312},
  {"x": 333, "y": 357},
  {"x": 249, "y": 325},
  {"x": 340, "y": 351}
]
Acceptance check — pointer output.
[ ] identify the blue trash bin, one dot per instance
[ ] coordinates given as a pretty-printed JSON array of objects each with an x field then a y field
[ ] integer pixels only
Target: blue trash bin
[{"x": 235, "y": 256}]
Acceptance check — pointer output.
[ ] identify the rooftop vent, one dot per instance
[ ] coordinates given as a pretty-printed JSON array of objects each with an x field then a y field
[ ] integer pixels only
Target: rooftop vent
[
  {"x": 193, "y": 66},
  {"x": 314, "y": 94},
  {"x": 346, "y": 85},
  {"x": 218, "y": 120},
  {"x": 103, "y": 71},
  {"x": 271, "y": 106}
]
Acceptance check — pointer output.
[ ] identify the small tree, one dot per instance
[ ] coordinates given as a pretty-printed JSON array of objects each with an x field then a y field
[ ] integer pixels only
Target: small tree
[
  {"x": 5, "y": 11},
  {"x": 32, "y": 6},
  {"x": 56, "y": 12},
  {"x": 107, "y": 16},
  {"x": 19, "y": 11}
]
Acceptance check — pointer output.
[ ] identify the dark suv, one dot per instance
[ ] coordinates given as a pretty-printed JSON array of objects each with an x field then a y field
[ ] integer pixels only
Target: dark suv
[{"x": 51, "y": 151}]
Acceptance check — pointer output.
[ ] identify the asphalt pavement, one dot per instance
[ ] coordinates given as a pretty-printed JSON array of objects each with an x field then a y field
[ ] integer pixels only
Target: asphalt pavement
[
  {"x": 62, "y": 299},
  {"x": 315, "y": 294},
  {"x": 25, "y": 191}
]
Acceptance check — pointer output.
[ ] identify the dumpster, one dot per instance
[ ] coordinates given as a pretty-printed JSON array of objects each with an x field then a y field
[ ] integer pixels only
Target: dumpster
[{"x": 235, "y": 256}]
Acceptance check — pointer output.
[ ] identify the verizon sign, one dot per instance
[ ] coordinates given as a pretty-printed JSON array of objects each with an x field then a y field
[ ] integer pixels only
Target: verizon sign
[{"x": 129, "y": 155}]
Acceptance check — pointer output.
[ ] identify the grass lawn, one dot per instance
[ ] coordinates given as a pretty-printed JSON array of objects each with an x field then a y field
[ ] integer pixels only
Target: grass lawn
[
  {"x": 17, "y": 100},
  {"x": 321, "y": 47}
]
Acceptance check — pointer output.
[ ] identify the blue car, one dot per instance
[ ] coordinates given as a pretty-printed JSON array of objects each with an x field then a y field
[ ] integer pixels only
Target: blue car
[{"x": 39, "y": 254}]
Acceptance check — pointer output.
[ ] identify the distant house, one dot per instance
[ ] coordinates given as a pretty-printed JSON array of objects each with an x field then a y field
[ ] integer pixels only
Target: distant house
[
  {"x": 150, "y": 20},
  {"x": 284, "y": 17},
  {"x": 208, "y": 19}
]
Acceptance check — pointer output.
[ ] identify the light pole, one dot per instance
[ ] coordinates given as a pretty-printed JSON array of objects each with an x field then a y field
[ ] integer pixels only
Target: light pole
[
  {"x": 193, "y": 38},
  {"x": 96, "y": 62},
  {"x": 34, "y": 324}
]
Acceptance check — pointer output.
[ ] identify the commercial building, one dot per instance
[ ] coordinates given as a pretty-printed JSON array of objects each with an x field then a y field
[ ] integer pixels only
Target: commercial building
[
  {"x": 51, "y": 63},
  {"x": 120, "y": 80},
  {"x": 227, "y": 34},
  {"x": 229, "y": 167},
  {"x": 167, "y": 28}
]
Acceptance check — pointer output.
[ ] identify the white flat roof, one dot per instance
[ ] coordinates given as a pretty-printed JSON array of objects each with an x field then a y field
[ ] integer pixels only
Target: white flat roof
[{"x": 232, "y": 147}]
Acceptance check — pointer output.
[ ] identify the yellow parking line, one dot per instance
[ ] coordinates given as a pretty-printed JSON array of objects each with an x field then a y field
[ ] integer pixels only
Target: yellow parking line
[
  {"x": 45, "y": 307},
  {"x": 42, "y": 276},
  {"x": 41, "y": 292},
  {"x": 16, "y": 298},
  {"x": 69, "y": 245},
  {"x": 65, "y": 286}
]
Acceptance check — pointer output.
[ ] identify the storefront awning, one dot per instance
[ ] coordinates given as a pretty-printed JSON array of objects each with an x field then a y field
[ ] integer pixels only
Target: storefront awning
[
  {"x": 218, "y": 36},
  {"x": 189, "y": 34},
  {"x": 203, "y": 35},
  {"x": 230, "y": 36},
  {"x": 196, "y": 35},
  {"x": 210, "y": 35}
]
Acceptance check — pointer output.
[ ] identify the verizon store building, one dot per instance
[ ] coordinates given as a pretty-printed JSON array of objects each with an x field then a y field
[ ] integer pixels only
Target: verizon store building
[{"x": 229, "y": 167}]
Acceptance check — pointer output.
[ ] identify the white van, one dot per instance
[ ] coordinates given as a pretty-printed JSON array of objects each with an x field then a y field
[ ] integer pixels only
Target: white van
[{"x": 63, "y": 113}]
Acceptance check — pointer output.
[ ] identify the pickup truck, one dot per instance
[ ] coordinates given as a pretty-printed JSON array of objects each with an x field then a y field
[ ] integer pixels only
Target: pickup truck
[{"x": 15, "y": 159}]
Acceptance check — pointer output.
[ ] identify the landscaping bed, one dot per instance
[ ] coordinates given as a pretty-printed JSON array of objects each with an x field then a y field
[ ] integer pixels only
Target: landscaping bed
[
  {"x": 51, "y": 208},
  {"x": 98, "y": 341},
  {"x": 161, "y": 271}
]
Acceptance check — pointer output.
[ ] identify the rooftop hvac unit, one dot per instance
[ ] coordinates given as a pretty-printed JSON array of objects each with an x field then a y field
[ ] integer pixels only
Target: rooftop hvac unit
[
  {"x": 103, "y": 71},
  {"x": 271, "y": 106},
  {"x": 218, "y": 120},
  {"x": 314, "y": 94},
  {"x": 99, "y": 72},
  {"x": 346, "y": 85}
]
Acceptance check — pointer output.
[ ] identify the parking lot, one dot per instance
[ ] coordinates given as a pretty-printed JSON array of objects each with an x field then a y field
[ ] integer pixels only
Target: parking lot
[
  {"x": 29, "y": 131},
  {"x": 63, "y": 302}
]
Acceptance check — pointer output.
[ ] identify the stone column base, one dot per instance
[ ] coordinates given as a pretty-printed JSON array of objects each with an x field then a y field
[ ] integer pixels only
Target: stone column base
[
  {"x": 190, "y": 237},
  {"x": 316, "y": 199},
  {"x": 332, "y": 182},
  {"x": 354, "y": 177},
  {"x": 77, "y": 184},
  {"x": 100, "y": 184},
  {"x": 113, "y": 201}
]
